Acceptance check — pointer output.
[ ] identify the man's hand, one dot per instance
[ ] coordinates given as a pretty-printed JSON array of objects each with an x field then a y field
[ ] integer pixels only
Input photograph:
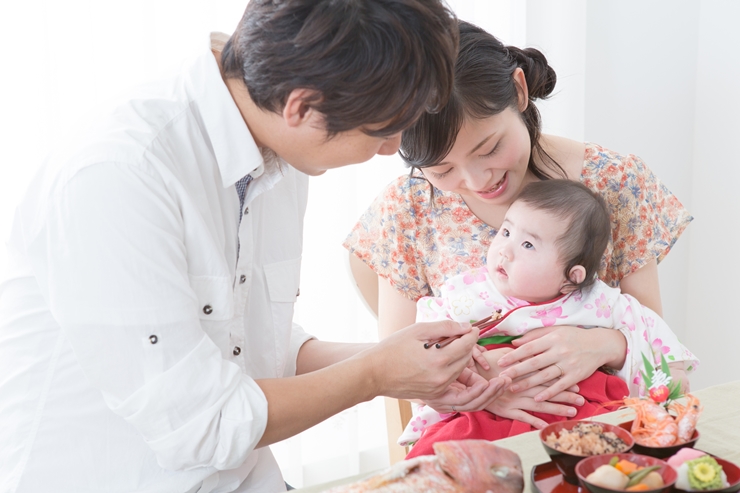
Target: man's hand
[
  {"x": 403, "y": 368},
  {"x": 470, "y": 392}
]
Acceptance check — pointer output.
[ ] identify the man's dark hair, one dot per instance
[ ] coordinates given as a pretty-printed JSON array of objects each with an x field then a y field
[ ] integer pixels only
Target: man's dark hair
[
  {"x": 369, "y": 61},
  {"x": 587, "y": 234}
]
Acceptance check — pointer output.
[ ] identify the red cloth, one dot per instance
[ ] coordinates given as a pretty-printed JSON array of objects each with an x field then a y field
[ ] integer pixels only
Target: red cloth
[{"x": 596, "y": 390}]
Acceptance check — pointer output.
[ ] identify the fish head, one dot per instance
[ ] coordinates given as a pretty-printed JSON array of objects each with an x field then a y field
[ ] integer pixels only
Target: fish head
[{"x": 479, "y": 465}]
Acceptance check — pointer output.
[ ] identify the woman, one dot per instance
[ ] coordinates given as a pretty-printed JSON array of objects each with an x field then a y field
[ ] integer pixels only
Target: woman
[{"x": 469, "y": 162}]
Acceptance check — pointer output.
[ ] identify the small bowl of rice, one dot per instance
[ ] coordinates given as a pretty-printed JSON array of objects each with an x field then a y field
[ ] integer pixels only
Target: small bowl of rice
[{"x": 568, "y": 442}]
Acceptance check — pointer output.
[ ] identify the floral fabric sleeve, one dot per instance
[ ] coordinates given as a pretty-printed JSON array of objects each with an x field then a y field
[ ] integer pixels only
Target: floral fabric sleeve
[
  {"x": 646, "y": 333},
  {"x": 385, "y": 239},
  {"x": 647, "y": 218}
]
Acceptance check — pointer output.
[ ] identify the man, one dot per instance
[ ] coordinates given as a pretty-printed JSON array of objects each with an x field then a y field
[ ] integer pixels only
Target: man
[{"x": 146, "y": 341}]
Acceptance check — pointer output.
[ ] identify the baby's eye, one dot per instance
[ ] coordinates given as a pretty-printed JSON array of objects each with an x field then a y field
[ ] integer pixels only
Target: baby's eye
[
  {"x": 504, "y": 232},
  {"x": 527, "y": 245}
]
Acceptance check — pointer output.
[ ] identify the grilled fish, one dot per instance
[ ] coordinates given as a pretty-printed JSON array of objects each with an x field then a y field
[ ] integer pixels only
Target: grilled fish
[{"x": 457, "y": 466}]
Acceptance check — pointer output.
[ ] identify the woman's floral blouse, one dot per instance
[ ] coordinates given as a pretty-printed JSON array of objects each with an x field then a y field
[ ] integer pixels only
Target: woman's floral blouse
[{"x": 417, "y": 242}]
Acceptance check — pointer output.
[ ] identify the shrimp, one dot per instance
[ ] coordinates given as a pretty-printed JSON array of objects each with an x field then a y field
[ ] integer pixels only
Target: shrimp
[
  {"x": 653, "y": 426},
  {"x": 687, "y": 417}
]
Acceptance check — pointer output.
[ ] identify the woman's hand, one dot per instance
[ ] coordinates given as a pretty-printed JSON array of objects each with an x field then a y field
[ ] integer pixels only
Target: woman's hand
[
  {"x": 567, "y": 354},
  {"x": 518, "y": 405}
]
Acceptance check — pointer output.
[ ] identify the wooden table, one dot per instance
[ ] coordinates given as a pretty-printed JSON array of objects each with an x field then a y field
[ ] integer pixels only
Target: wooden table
[{"x": 719, "y": 428}]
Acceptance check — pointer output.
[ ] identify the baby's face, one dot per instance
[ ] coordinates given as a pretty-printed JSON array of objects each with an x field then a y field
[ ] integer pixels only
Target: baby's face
[{"x": 523, "y": 259}]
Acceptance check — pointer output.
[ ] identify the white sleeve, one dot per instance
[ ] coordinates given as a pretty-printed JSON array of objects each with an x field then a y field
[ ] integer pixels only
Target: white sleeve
[
  {"x": 646, "y": 333},
  {"x": 298, "y": 338},
  {"x": 112, "y": 263}
]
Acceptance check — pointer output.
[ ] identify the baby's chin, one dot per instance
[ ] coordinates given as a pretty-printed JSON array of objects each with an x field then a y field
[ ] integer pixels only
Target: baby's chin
[{"x": 502, "y": 286}]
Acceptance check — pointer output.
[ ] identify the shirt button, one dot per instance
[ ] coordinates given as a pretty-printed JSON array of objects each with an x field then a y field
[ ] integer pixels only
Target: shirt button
[
  {"x": 237, "y": 350},
  {"x": 153, "y": 339},
  {"x": 242, "y": 279},
  {"x": 246, "y": 211},
  {"x": 208, "y": 309}
]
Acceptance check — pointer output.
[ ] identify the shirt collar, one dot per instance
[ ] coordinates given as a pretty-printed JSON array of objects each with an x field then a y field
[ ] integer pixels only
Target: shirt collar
[{"x": 236, "y": 152}]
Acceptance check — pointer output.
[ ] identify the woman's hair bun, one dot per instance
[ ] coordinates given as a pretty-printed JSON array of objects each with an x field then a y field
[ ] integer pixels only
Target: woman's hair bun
[{"x": 539, "y": 74}]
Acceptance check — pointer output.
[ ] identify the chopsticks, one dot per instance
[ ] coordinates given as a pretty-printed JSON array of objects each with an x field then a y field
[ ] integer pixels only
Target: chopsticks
[{"x": 482, "y": 324}]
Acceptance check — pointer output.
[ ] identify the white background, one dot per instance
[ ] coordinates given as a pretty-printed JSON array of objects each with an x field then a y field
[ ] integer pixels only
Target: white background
[{"x": 658, "y": 79}]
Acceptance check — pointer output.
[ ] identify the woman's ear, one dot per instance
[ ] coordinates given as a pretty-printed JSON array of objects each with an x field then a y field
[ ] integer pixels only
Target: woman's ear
[
  {"x": 576, "y": 276},
  {"x": 520, "y": 81},
  {"x": 297, "y": 110}
]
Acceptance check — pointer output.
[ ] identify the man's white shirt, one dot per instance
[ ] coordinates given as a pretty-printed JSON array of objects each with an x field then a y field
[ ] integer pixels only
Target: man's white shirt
[{"x": 130, "y": 337}]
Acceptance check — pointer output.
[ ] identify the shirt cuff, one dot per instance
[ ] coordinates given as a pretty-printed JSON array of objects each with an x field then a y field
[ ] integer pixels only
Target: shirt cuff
[
  {"x": 221, "y": 412},
  {"x": 298, "y": 338}
]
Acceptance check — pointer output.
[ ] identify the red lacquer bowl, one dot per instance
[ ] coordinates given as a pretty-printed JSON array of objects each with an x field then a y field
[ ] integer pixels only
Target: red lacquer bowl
[
  {"x": 659, "y": 452},
  {"x": 733, "y": 477},
  {"x": 590, "y": 464},
  {"x": 565, "y": 462}
]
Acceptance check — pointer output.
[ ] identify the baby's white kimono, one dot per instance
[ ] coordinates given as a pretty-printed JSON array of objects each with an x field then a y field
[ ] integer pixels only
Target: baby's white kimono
[{"x": 472, "y": 296}]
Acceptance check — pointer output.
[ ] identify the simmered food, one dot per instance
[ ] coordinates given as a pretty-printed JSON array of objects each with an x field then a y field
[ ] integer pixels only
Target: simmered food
[{"x": 627, "y": 476}]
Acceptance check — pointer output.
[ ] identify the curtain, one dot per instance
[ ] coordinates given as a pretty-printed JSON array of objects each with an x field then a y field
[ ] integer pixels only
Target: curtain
[{"x": 627, "y": 79}]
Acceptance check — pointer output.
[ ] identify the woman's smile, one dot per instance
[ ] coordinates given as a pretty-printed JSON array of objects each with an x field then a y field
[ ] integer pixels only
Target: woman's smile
[{"x": 496, "y": 190}]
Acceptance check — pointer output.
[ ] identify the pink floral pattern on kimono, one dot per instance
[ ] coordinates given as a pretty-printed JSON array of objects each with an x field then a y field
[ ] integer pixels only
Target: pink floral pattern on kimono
[
  {"x": 549, "y": 317},
  {"x": 612, "y": 308}
]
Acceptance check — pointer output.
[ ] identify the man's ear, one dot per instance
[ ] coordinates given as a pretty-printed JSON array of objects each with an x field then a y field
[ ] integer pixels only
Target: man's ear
[
  {"x": 576, "y": 276},
  {"x": 297, "y": 110},
  {"x": 520, "y": 81}
]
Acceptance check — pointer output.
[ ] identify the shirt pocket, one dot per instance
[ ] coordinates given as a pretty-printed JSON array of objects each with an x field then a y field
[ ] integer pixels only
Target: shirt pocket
[{"x": 283, "y": 280}]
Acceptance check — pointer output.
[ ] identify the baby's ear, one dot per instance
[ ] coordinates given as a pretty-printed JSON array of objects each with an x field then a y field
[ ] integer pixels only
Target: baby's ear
[{"x": 575, "y": 277}]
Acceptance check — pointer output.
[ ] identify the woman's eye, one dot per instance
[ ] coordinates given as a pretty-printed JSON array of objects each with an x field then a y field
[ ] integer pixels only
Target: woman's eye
[
  {"x": 441, "y": 175},
  {"x": 493, "y": 151},
  {"x": 527, "y": 245}
]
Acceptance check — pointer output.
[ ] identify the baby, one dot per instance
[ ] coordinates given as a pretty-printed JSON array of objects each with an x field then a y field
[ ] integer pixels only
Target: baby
[{"x": 541, "y": 271}]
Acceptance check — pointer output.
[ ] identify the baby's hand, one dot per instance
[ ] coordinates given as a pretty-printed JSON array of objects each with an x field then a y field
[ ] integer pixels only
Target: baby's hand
[
  {"x": 678, "y": 374},
  {"x": 478, "y": 359},
  {"x": 491, "y": 370}
]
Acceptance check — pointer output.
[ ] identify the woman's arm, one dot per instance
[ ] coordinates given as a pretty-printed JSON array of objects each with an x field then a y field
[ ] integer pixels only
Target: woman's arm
[
  {"x": 395, "y": 311},
  {"x": 643, "y": 284}
]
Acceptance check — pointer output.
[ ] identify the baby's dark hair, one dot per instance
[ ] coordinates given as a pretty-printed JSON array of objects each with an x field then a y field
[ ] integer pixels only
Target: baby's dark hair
[{"x": 587, "y": 235}]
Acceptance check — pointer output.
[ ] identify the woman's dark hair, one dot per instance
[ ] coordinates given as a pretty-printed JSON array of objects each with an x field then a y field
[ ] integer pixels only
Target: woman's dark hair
[
  {"x": 369, "y": 61},
  {"x": 483, "y": 87},
  {"x": 587, "y": 234}
]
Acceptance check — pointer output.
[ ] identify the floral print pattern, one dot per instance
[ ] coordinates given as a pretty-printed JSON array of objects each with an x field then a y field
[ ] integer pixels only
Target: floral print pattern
[{"x": 419, "y": 240}]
